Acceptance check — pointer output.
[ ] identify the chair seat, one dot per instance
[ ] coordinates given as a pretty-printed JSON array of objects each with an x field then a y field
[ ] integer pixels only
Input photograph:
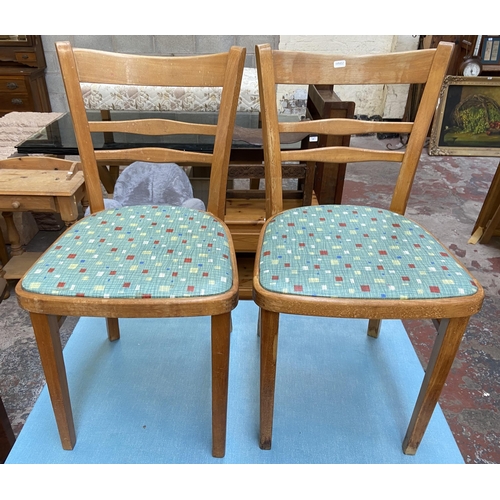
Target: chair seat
[
  {"x": 343, "y": 251},
  {"x": 164, "y": 251}
]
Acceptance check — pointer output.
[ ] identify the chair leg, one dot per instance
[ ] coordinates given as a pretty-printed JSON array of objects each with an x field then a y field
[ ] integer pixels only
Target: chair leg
[
  {"x": 268, "y": 354},
  {"x": 374, "y": 327},
  {"x": 221, "y": 334},
  {"x": 445, "y": 348},
  {"x": 113, "y": 329},
  {"x": 49, "y": 346},
  {"x": 258, "y": 323},
  {"x": 7, "y": 437}
]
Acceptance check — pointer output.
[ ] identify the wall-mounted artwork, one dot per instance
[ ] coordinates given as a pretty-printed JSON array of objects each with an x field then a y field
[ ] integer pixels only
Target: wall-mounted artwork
[{"x": 467, "y": 121}]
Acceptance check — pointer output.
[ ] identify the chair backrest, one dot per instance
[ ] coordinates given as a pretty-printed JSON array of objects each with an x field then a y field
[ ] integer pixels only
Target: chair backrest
[
  {"x": 216, "y": 70},
  {"x": 301, "y": 68}
]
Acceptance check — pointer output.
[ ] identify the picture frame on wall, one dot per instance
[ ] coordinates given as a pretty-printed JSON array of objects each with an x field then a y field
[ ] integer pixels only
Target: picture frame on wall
[
  {"x": 467, "y": 120},
  {"x": 491, "y": 50}
]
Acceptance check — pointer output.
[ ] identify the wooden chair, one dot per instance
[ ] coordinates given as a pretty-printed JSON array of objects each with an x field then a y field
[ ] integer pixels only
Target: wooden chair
[
  {"x": 159, "y": 270},
  {"x": 364, "y": 262}
]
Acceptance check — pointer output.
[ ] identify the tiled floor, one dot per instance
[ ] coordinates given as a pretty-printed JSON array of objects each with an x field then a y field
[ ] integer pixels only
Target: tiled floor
[{"x": 446, "y": 198}]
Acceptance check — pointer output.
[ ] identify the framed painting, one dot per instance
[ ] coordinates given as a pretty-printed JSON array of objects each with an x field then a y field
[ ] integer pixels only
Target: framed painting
[{"x": 467, "y": 121}]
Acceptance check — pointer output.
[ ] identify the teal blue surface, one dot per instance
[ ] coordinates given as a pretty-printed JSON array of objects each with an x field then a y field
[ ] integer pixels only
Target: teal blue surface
[{"x": 341, "y": 396}]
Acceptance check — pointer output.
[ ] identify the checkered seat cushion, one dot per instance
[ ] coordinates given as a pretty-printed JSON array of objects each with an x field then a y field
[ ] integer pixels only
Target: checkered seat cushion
[
  {"x": 137, "y": 252},
  {"x": 357, "y": 252}
]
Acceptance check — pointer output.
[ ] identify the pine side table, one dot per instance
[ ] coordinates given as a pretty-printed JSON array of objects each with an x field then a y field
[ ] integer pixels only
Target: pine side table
[{"x": 36, "y": 184}]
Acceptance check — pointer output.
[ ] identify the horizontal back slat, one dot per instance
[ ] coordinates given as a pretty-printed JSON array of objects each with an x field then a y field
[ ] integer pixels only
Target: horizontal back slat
[
  {"x": 155, "y": 155},
  {"x": 341, "y": 154},
  {"x": 153, "y": 127},
  {"x": 327, "y": 69},
  {"x": 345, "y": 126},
  {"x": 125, "y": 69}
]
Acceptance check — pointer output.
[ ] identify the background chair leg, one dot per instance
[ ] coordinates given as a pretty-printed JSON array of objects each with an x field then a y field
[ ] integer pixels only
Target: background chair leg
[
  {"x": 374, "y": 327},
  {"x": 268, "y": 354},
  {"x": 49, "y": 346},
  {"x": 445, "y": 348},
  {"x": 113, "y": 329},
  {"x": 7, "y": 437},
  {"x": 221, "y": 333}
]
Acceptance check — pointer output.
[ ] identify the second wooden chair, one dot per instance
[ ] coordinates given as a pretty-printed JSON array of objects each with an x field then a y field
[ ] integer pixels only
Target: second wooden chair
[{"x": 345, "y": 261}]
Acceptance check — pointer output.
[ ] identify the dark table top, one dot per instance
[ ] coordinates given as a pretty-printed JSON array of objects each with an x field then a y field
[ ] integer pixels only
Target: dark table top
[{"x": 58, "y": 137}]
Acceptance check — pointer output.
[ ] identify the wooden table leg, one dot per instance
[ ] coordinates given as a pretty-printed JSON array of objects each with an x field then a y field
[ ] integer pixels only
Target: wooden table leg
[
  {"x": 15, "y": 240},
  {"x": 68, "y": 209},
  {"x": 106, "y": 179},
  {"x": 4, "y": 256}
]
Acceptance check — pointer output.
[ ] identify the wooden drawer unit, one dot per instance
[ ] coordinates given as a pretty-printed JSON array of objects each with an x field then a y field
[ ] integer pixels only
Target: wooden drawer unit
[
  {"x": 14, "y": 102},
  {"x": 22, "y": 75},
  {"x": 28, "y": 58},
  {"x": 13, "y": 84},
  {"x": 27, "y": 203}
]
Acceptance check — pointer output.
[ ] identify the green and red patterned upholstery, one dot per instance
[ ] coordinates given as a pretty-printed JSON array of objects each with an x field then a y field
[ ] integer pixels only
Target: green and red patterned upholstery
[
  {"x": 137, "y": 252},
  {"x": 357, "y": 252}
]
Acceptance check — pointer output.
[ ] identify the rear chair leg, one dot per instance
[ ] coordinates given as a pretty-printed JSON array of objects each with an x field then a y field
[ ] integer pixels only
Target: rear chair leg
[
  {"x": 221, "y": 334},
  {"x": 374, "y": 327},
  {"x": 258, "y": 323},
  {"x": 113, "y": 329},
  {"x": 445, "y": 348},
  {"x": 49, "y": 346},
  {"x": 268, "y": 353}
]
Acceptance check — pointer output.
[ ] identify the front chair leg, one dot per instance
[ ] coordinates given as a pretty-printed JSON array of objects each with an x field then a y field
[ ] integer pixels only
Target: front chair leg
[
  {"x": 445, "y": 348},
  {"x": 221, "y": 334},
  {"x": 46, "y": 330},
  {"x": 269, "y": 323}
]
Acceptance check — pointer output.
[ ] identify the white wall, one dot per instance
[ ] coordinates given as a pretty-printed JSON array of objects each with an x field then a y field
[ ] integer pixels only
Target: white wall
[{"x": 386, "y": 101}]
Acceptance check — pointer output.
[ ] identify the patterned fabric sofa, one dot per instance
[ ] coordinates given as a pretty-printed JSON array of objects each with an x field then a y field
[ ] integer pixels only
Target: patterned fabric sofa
[{"x": 118, "y": 97}]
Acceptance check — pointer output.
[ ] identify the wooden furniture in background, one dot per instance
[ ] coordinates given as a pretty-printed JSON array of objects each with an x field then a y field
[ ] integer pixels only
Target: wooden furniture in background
[
  {"x": 323, "y": 102},
  {"x": 36, "y": 184},
  {"x": 356, "y": 262},
  {"x": 172, "y": 262},
  {"x": 7, "y": 437},
  {"x": 464, "y": 47},
  {"x": 22, "y": 75},
  {"x": 488, "y": 220}
]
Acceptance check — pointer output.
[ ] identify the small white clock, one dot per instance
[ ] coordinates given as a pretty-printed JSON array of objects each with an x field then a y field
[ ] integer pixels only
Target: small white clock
[{"x": 471, "y": 67}]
